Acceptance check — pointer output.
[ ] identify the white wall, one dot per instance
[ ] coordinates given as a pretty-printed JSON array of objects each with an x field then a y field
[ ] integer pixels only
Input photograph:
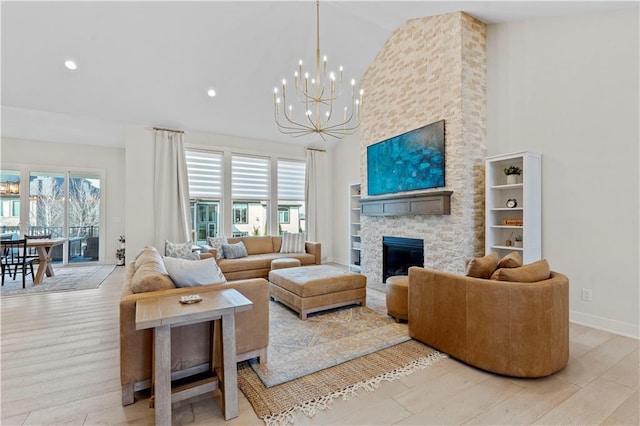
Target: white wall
[
  {"x": 345, "y": 163},
  {"x": 139, "y": 142},
  {"x": 62, "y": 157},
  {"x": 568, "y": 88}
]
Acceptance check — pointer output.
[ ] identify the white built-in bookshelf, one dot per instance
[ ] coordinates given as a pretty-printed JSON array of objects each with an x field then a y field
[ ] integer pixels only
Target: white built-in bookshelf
[{"x": 505, "y": 222}]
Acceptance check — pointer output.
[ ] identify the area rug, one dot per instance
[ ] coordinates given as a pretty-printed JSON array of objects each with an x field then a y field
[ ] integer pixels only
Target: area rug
[
  {"x": 277, "y": 405},
  {"x": 66, "y": 279},
  {"x": 325, "y": 339}
]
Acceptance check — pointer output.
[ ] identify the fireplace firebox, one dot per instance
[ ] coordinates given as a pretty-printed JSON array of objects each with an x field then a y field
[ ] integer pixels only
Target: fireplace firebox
[{"x": 398, "y": 254}]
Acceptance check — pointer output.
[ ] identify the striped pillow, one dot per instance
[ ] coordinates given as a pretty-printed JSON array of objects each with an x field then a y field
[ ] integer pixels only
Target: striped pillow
[
  {"x": 293, "y": 243},
  {"x": 234, "y": 251}
]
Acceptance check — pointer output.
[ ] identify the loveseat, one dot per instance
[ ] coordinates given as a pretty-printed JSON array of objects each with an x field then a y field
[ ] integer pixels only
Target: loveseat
[
  {"x": 513, "y": 328},
  {"x": 261, "y": 251},
  {"x": 147, "y": 277}
]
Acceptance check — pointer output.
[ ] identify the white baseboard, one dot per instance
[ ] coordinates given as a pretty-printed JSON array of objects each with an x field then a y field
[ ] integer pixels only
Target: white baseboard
[{"x": 606, "y": 324}]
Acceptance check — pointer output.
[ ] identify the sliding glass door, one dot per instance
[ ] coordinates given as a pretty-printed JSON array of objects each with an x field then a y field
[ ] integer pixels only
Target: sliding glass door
[
  {"x": 84, "y": 217},
  {"x": 66, "y": 205},
  {"x": 46, "y": 204}
]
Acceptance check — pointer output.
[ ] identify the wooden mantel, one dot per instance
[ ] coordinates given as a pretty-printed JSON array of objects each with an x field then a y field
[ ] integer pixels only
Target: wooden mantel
[{"x": 432, "y": 203}]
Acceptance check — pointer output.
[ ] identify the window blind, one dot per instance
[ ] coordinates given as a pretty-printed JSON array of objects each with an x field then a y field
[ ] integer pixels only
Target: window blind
[
  {"x": 249, "y": 178},
  {"x": 291, "y": 180},
  {"x": 205, "y": 174}
]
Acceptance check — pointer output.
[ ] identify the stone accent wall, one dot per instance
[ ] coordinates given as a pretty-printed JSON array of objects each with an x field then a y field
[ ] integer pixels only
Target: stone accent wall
[{"x": 430, "y": 69}]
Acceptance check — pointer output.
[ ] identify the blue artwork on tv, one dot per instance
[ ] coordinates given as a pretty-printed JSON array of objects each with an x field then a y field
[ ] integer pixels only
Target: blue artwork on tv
[{"x": 411, "y": 161}]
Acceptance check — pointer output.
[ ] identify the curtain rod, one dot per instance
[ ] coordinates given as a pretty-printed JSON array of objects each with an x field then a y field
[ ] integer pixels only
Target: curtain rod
[
  {"x": 168, "y": 130},
  {"x": 316, "y": 149}
]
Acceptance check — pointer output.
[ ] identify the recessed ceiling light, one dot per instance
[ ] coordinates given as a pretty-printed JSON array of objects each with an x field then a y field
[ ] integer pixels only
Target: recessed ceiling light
[
  {"x": 70, "y": 64},
  {"x": 211, "y": 92}
]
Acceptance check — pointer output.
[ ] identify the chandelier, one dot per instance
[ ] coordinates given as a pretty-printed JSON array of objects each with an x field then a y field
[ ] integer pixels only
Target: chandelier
[{"x": 315, "y": 96}]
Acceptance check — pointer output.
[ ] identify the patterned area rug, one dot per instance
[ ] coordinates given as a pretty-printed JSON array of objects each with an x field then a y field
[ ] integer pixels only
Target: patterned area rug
[
  {"x": 325, "y": 339},
  {"x": 66, "y": 279},
  {"x": 277, "y": 405}
]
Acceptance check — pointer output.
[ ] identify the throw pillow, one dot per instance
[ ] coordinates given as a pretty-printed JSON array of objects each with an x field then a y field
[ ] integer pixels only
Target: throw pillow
[
  {"x": 531, "y": 273},
  {"x": 216, "y": 243},
  {"x": 293, "y": 243},
  {"x": 150, "y": 273},
  {"x": 188, "y": 273},
  {"x": 512, "y": 260},
  {"x": 179, "y": 250},
  {"x": 144, "y": 254},
  {"x": 234, "y": 251},
  {"x": 482, "y": 267}
]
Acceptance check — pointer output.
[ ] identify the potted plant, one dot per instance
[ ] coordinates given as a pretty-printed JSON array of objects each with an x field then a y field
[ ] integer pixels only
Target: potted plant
[
  {"x": 512, "y": 173},
  {"x": 518, "y": 241},
  {"x": 120, "y": 253}
]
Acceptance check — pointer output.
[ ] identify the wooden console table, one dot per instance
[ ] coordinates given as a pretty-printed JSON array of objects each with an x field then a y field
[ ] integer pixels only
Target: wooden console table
[{"x": 164, "y": 312}]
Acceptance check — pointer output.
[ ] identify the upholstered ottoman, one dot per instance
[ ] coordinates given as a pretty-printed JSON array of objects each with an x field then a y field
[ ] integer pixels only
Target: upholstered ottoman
[
  {"x": 308, "y": 289},
  {"x": 284, "y": 262},
  {"x": 397, "y": 297}
]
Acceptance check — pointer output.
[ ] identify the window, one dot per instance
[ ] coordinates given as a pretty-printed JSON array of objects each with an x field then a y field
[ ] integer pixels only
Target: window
[
  {"x": 205, "y": 174},
  {"x": 291, "y": 175},
  {"x": 283, "y": 214},
  {"x": 250, "y": 194},
  {"x": 204, "y": 217},
  {"x": 15, "y": 208},
  {"x": 10, "y": 209},
  {"x": 240, "y": 213},
  {"x": 205, "y": 192},
  {"x": 9, "y": 201}
]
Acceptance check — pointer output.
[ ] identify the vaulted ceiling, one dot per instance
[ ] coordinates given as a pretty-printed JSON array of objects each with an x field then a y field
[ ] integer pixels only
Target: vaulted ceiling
[{"x": 152, "y": 62}]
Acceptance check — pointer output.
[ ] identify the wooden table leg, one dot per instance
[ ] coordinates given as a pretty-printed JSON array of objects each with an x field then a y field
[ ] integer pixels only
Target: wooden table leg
[
  {"x": 229, "y": 377},
  {"x": 43, "y": 264},
  {"x": 162, "y": 373},
  {"x": 49, "y": 271}
]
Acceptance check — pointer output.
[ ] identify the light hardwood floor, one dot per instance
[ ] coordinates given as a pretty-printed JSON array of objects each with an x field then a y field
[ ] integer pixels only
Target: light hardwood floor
[{"x": 60, "y": 365}]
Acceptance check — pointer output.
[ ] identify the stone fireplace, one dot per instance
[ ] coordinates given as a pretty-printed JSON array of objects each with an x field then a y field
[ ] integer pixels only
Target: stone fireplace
[{"x": 431, "y": 69}]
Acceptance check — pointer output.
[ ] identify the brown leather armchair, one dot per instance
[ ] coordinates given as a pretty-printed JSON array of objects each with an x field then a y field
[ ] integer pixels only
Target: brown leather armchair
[{"x": 511, "y": 328}]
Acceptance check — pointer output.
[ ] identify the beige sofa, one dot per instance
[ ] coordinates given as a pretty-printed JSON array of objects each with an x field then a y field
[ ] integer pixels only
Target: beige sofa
[
  {"x": 190, "y": 345},
  {"x": 262, "y": 250},
  {"x": 517, "y": 329}
]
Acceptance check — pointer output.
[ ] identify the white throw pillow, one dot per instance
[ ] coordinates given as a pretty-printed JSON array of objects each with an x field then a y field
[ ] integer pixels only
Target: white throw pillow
[
  {"x": 293, "y": 243},
  {"x": 191, "y": 273},
  {"x": 216, "y": 243}
]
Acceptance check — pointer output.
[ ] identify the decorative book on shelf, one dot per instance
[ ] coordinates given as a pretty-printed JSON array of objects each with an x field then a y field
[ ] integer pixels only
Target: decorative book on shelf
[{"x": 512, "y": 221}]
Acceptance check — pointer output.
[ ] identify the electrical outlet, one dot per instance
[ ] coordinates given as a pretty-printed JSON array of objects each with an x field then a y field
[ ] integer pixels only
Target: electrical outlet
[{"x": 587, "y": 295}]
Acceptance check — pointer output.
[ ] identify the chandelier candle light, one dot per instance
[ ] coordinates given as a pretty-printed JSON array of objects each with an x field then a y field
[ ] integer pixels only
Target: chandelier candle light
[{"x": 318, "y": 95}]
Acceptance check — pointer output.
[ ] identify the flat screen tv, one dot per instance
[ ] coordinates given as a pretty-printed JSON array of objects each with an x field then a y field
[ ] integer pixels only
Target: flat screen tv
[{"x": 408, "y": 162}]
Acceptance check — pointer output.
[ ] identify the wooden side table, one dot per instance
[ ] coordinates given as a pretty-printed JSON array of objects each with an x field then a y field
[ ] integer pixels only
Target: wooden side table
[{"x": 164, "y": 312}]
